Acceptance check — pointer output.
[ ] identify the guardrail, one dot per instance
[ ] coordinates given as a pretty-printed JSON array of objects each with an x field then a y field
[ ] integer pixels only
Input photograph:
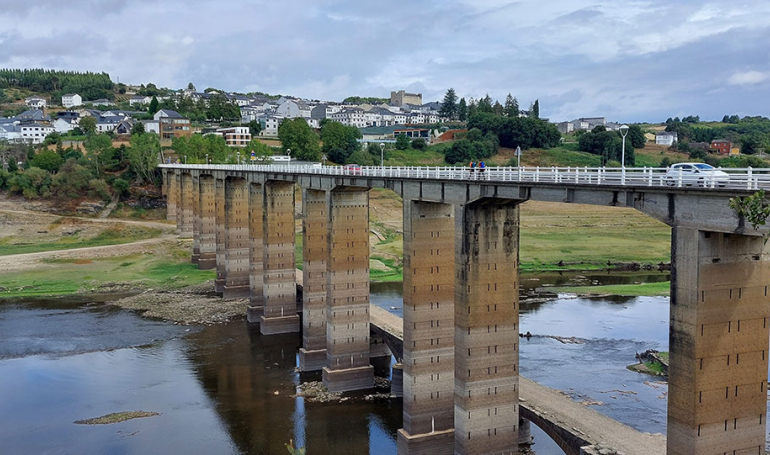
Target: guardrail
[{"x": 720, "y": 178}]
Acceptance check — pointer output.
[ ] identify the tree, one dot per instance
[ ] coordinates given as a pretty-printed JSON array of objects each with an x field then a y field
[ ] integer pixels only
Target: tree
[
  {"x": 511, "y": 106},
  {"x": 636, "y": 136},
  {"x": 485, "y": 104},
  {"x": 120, "y": 186},
  {"x": 98, "y": 147},
  {"x": 143, "y": 155},
  {"x": 153, "y": 106},
  {"x": 535, "y": 110},
  {"x": 297, "y": 136},
  {"x": 88, "y": 125},
  {"x": 462, "y": 110},
  {"x": 402, "y": 142},
  {"x": 339, "y": 141},
  {"x": 190, "y": 86},
  {"x": 472, "y": 108},
  {"x": 419, "y": 144},
  {"x": 48, "y": 160},
  {"x": 261, "y": 150},
  {"x": 755, "y": 208},
  {"x": 138, "y": 128},
  {"x": 32, "y": 183},
  {"x": 449, "y": 105},
  {"x": 3, "y": 98},
  {"x": 498, "y": 109},
  {"x": 255, "y": 127}
]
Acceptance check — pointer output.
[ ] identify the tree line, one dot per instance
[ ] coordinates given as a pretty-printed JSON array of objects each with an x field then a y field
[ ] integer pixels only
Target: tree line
[
  {"x": 463, "y": 110},
  {"x": 751, "y": 133},
  {"x": 89, "y": 85}
]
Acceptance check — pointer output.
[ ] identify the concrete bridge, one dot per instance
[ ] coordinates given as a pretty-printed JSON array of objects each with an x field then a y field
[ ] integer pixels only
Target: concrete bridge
[{"x": 460, "y": 328}]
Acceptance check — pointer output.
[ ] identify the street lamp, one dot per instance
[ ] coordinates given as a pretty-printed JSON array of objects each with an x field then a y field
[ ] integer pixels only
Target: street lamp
[
  {"x": 518, "y": 155},
  {"x": 239, "y": 158},
  {"x": 185, "y": 159},
  {"x": 382, "y": 154},
  {"x": 207, "y": 158},
  {"x": 623, "y": 131}
]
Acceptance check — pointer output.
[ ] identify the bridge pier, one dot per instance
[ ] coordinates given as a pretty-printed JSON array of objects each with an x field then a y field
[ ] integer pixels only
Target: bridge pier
[
  {"x": 256, "y": 307},
  {"x": 186, "y": 228},
  {"x": 179, "y": 212},
  {"x": 236, "y": 239},
  {"x": 719, "y": 331},
  {"x": 196, "y": 213},
  {"x": 207, "y": 237},
  {"x": 219, "y": 194},
  {"x": 347, "y": 301},
  {"x": 279, "y": 287},
  {"x": 315, "y": 252},
  {"x": 428, "y": 364},
  {"x": 486, "y": 327},
  {"x": 170, "y": 187}
]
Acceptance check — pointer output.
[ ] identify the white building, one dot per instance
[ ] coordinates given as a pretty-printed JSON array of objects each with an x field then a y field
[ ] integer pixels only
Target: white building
[
  {"x": 139, "y": 100},
  {"x": 236, "y": 136},
  {"x": 294, "y": 109},
  {"x": 313, "y": 123},
  {"x": 71, "y": 100},
  {"x": 666, "y": 138},
  {"x": 151, "y": 126},
  {"x": 101, "y": 102},
  {"x": 270, "y": 125},
  {"x": 34, "y": 133},
  {"x": 352, "y": 117},
  {"x": 64, "y": 126},
  {"x": 107, "y": 124},
  {"x": 35, "y": 102}
]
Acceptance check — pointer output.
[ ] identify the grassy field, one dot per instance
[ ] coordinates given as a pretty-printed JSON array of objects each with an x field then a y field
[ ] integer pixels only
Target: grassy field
[
  {"x": 113, "y": 235},
  {"x": 631, "y": 290},
  {"x": 170, "y": 268}
]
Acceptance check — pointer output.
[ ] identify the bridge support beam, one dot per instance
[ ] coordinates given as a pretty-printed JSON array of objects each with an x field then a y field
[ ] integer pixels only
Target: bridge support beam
[
  {"x": 428, "y": 364},
  {"x": 196, "y": 214},
  {"x": 347, "y": 300},
  {"x": 719, "y": 331},
  {"x": 219, "y": 197},
  {"x": 170, "y": 188},
  {"x": 257, "y": 253},
  {"x": 207, "y": 238},
  {"x": 486, "y": 327},
  {"x": 179, "y": 203},
  {"x": 186, "y": 228},
  {"x": 236, "y": 239},
  {"x": 280, "y": 288},
  {"x": 315, "y": 253}
]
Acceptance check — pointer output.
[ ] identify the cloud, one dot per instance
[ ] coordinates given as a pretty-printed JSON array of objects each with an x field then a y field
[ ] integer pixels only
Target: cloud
[{"x": 748, "y": 78}]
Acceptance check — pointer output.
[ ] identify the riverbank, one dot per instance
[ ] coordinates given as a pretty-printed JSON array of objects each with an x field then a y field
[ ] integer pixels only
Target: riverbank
[{"x": 628, "y": 290}]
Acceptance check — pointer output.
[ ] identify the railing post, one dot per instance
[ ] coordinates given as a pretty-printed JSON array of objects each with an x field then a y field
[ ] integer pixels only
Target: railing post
[
  {"x": 537, "y": 174},
  {"x": 749, "y": 177}
]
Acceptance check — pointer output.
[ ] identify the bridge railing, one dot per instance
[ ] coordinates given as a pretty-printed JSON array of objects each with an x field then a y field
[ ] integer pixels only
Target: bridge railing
[{"x": 724, "y": 178}]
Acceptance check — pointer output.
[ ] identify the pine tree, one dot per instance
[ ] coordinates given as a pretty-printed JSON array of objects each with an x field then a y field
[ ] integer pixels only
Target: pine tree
[
  {"x": 536, "y": 110},
  {"x": 462, "y": 110},
  {"x": 472, "y": 108},
  {"x": 498, "y": 109},
  {"x": 510, "y": 110},
  {"x": 449, "y": 105},
  {"x": 485, "y": 104},
  {"x": 153, "y": 106}
]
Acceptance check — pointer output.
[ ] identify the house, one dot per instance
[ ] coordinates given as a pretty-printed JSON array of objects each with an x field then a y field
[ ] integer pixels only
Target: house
[
  {"x": 313, "y": 123},
  {"x": 665, "y": 138},
  {"x": 35, "y": 102},
  {"x": 722, "y": 146},
  {"x": 35, "y": 133},
  {"x": 69, "y": 115},
  {"x": 172, "y": 125},
  {"x": 151, "y": 126},
  {"x": 294, "y": 109},
  {"x": 270, "y": 125},
  {"x": 100, "y": 102},
  {"x": 139, "y": 100},
  {"x": 351, "y": 116},
  {"x": 71, "y": 100},
  {"x": 125, "y": 126},
  {"x": 705, "y": 146},
  {"x": 10, "y": 132},
  {"x": 565, "y": 127},
  {"x": 401, "y": 97},
  {"x": 106, "y": 124},
  {"x": 33, "y": 115},
  {"x": 236, "y": 136},
  {"x": 63, "y": 125}
]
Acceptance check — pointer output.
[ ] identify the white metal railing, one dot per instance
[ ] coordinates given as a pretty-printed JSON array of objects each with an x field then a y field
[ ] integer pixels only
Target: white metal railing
[{"x": 725, "y": 178}]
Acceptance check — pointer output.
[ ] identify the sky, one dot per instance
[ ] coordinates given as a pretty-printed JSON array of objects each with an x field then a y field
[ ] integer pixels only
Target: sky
[{"x": 630, "y": 61}]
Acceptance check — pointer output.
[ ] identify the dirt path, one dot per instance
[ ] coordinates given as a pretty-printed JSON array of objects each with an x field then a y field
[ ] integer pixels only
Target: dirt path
[
  {"x": 19, "y": 262},
  {"x": 148, "y": 224}
]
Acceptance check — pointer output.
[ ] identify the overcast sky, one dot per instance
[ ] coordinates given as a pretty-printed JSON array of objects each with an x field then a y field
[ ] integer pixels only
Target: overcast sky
[{"x": 627, "y": 60}]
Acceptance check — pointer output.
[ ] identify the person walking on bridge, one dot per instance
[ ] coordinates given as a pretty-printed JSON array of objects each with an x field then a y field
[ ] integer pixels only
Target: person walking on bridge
[
  {"x": 482, "y": 167},
  {"x": 472, "y": 170}
]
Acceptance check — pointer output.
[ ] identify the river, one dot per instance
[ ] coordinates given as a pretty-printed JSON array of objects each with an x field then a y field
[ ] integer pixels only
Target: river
[{"x": 227, "y": 389}]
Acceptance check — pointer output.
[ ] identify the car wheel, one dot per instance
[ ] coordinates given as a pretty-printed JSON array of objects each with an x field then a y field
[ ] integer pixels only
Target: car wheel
[
  {"x": 701, "y": 183},
  {"x": 670, "y": 182}
]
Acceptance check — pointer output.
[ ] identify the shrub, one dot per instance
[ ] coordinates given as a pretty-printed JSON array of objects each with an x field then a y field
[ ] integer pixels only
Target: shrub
[
  {"x": 71, "y": 181},
  {"x": 419, "y": 144},
  {"x": 48, "y": 160},
  {"x": 32, "y": 183},
  {"x": 120, "y": 186},
  {"x": 99, "y": 188},
  {"x": 4, "y": 177},
  {"x": 402, "y": 142}
]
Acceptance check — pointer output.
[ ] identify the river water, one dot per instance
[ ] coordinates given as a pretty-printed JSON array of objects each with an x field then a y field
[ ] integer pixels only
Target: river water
[{"x": 227, "y": 389}]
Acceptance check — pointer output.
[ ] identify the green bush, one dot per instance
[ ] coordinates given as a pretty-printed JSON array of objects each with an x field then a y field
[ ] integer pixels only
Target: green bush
[
  {"x": 99, "y": 188},
  {"x": 71, "y": 181},
  {"x": 4, "y": 177},
  {"x": 32, "y": 183},
  {"x": 419, "y": 144},
  {"x": 48, "y": 160},
  {"x": 120, "y": 186},
  {"x": 402, "y": 142}
]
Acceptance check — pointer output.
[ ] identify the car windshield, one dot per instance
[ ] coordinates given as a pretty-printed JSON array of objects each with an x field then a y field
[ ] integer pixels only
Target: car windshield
[{"x": 705, "y": 167}]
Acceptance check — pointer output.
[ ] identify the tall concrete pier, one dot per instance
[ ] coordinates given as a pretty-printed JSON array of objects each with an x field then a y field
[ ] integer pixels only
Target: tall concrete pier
[{"x": 461, "y": 284}]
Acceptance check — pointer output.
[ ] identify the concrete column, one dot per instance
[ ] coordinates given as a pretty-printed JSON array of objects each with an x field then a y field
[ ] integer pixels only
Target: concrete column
[
  {"x": 256, "y": 252},
  {"x": 219, "y": 201},
  {"x": 171, "y": 188},
  {"x": 428, "y": 370},
  {"x": 179, "y": 211},
  {"x": 315, "y": 253},
  {"x": 397, "y": 380},
  {"x": 347, "y": 299},
  {"x": 208, "y": 224},
  {"x": 486, "y": 328},
  {"x": 187, "y": 206},
  {"x": 196, "y": 213},
  {"x": 236, "y": 239},
  {"x": 280, "y": 284},
  {"x": 717, "y": 397}
]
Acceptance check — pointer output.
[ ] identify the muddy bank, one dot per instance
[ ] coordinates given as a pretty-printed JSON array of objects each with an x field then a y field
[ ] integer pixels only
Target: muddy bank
[{"x": 190, "y": 305}]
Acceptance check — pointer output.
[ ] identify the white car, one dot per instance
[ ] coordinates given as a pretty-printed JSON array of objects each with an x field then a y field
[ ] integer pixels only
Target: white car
[{"x": 696, "y": 174}]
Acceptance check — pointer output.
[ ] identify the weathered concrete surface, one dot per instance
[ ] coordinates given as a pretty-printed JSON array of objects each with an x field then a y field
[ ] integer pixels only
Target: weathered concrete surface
[
  {"x": 196, "y": 211},
  {"x": 347, "y": 300},
  {"x": 256, "y": 253},
  {"x": 208, "y": 237},
  {"x": 179, "y": 204},
  {"x": 486, "y": 327},
  {"x": 428, "y": 363},
  {"x": 279, "y": 288},
  {"x": 186, "y": 197},
  {"x": 219, "y": 199},
  {"x": 236, "y": 239},
  {"x": 315, "y": 253},
  {"x": 720, "y": 305}
]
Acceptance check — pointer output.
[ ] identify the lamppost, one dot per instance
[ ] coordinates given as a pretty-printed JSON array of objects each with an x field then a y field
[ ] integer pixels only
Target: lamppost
[
  {"x": 623, "y": 131},
  {"x": 207, "y": 158},
  {"x": 518, "y": 155},
  {"x": 185, "y": 159},
  {"x": 239, "y": 158},
  {"x": 382, "y": 154}
]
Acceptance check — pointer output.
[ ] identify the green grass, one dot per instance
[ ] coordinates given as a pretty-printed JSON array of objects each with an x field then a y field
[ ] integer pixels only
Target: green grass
[
  {"x": 110, "y": 236},
  {"x": 172, "y": 270},
  {"x": 433, "y": 156},
  {"x": 631, "y": 290},
  {"x": 396, "y": 272}
]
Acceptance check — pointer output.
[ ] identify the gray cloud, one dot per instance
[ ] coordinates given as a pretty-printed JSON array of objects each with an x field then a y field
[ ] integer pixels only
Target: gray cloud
[{"x": 630, "y": 60}]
